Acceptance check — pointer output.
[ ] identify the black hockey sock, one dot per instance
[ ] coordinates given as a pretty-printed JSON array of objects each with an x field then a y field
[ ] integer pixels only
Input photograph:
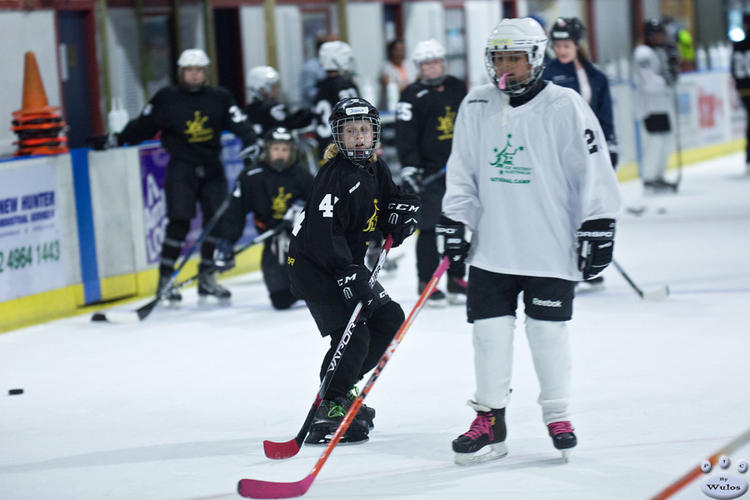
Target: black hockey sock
[
  {"x": 427, "y": 254},
  {"x": 170, "y": 250},
  {"x": 350, "y": 364},
  {"x": 383, "y": 325}
]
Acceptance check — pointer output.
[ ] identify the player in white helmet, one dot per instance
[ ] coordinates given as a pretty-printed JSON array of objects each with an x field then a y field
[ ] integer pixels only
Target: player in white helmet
[
  {"x": 265, "y": 110},
  {"x": 337, "y": 59},
  {"x": 530, "y": 176},
  {"x": 425, "y": 115},
  {"x": 190, "y": 117}
]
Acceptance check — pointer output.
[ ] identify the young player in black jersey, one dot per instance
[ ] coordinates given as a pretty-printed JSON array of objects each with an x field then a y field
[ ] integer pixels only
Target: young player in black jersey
[
  {"x": 338, "y": 62},
  {"x": 424, "y": 133},
  {"x": 265, "y": 111},
  {"x": 275, "y": 192},
  {"x": 191, "y": 117},
  {"x": 352, "y": 196}
]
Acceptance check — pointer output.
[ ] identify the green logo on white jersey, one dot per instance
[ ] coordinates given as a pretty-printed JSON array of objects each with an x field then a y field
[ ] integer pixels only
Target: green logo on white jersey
[{"x": 507, "y": 169}]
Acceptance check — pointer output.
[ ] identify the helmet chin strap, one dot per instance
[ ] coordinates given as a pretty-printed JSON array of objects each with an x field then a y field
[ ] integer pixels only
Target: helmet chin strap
[{"x": 433, "y": 82}]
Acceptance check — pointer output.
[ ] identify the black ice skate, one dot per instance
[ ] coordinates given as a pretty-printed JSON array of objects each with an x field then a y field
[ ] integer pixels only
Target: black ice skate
[
  {"x": 485, "y": 439},
  {"x": 327, "y": 420},
  {"x": 207, "y": 286},
  {"x": 457, "y": 288},
  {"x": 436, "y": 298},
  {"x": 660, "y": 186},
  {"x": 365, "y": 412},
  {"x": 171, "y": 296},
  {"x": 563, "y": 437}
]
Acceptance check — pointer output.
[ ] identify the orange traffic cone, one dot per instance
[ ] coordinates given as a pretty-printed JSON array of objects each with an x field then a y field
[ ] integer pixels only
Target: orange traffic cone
[{"x": 37, "y": 124}]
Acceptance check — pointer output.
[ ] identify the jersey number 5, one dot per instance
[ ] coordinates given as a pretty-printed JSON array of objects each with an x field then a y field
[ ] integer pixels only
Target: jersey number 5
[{"x": 403, "y": 111}]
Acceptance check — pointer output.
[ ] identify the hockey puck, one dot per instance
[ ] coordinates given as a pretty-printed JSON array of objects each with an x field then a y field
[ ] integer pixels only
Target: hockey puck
[{"x": 13, "y": 392}]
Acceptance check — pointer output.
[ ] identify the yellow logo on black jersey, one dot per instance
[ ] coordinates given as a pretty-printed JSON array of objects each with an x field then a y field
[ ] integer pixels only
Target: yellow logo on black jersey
[
  {"x": 280, "y": 204},
  {"x": 196, "y": 131},
  {"x": 373, "y": 220},
  {"x": 445, "y": 124}
]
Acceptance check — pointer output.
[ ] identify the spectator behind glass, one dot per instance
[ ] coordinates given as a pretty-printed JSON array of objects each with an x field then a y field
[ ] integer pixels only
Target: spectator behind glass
[
  {"x": 312, "y": 72},
  {"x": 396, "y": 69}
]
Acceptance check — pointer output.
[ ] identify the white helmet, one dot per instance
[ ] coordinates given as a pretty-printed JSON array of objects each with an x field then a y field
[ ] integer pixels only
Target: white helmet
[
  {"x": 193, "y": 57},
  {"x": 261, "y": 78},
  {"x": 517, "y": 35},
  {"x": 427, "y": 50},
  {"x": 337, "y": 56}
]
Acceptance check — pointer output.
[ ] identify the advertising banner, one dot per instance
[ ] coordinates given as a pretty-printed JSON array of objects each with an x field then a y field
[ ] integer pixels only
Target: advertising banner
[
  {"x": 30, "y": 233},
  {"x": 154, "y": 162}
]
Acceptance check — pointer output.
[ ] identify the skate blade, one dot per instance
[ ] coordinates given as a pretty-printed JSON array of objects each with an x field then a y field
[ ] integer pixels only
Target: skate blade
[
  {"x": 456, "y": 299},
  {"x": 565, "y": 456},
  {"x": 207, "y": 300},
  {"x": 487, "y": 453},
  {"x": 437, "y": 303},
  {"x": 322, "y": 440}
]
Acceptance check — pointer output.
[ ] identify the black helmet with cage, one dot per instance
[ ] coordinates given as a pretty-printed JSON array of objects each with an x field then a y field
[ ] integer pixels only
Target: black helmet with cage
[
  {"x": 279, "y": 135},
  {"x": 355, "y": 126}
]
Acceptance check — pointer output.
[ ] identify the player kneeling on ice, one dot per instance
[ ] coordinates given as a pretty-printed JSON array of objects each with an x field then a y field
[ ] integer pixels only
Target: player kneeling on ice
[
  {"x": 353, "y": 195},
  {"x": 530, "y": 177},
  {"x": 275, "y": 192}
]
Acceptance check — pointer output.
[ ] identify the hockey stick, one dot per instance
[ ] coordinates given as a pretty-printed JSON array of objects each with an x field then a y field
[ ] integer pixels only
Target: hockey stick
[
  {"x": 696, "y": 471},
  {"x": 286, "y": 449},
  {"x": 433, "y": 177},
  {"x": 656, "y": 294},
  {"x": 142, "y": 312},
  {"x": 253, "y": 488}
]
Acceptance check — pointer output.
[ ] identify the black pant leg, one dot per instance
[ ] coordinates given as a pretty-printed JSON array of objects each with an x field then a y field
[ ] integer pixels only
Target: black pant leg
[
  {"x": 350, "y": 364},
  {"x": 383, "y": 325},
  {"x": 746, "y": 104},
  {"x": 212, "y": 193},
  {"x": 427, "y": 254}
]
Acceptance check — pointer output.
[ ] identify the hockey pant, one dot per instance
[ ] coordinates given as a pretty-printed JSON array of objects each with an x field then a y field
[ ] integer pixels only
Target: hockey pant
[
  {"x": 493, "y": 363},
  {"x": 367, "y": 344}
]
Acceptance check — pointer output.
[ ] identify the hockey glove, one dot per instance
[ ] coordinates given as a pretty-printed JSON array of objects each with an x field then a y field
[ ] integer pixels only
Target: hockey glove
[
  {"x": 451, "y": 236},
  {"x": 354, "y": 283},
  {"x": 223, "y": 255},
  {"x": 292, "y": 213},
  {"x": 251, "y": 153},
  {"x": 613, "y": 156},
  {"x": 411, "y": 180},
  {"x": 102, "y": 142},
  {"x": 402, "y": 217},
  {"x": 596, "y": 242}
]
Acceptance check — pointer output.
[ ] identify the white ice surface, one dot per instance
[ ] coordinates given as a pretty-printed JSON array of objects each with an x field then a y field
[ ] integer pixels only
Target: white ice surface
[{"x": 177, "y": 406}]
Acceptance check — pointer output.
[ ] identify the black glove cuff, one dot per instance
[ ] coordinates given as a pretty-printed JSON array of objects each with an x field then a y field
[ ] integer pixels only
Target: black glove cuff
[{"x": 597, "y": 229}]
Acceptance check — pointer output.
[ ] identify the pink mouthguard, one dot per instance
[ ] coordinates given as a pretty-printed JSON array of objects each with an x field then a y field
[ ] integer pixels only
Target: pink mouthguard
[{"x": 501, "y": 82}]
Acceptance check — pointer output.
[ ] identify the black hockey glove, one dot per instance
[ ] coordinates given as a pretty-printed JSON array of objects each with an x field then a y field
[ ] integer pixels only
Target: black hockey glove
[
  {"x": 411, "y": 180},
  {"x": 596, "y": 242},
  {"x": 451, "y": 236},
  {"x": 402, "y": 217},
  {"x": 102, "y": 142},
  {"x": 223, "y": 255},
  {"x": 354, "y": 283},
  {"x": 291, "y": 215}
]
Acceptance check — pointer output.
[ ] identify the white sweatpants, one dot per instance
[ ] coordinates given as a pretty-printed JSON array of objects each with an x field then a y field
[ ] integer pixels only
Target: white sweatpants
[
  {"x": 656, "y": 149},
  {"x": 493, "y": 363}
]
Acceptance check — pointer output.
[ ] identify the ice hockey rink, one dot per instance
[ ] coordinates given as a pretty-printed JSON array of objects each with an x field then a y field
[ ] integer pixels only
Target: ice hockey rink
[{"x": 177, "y": 406}]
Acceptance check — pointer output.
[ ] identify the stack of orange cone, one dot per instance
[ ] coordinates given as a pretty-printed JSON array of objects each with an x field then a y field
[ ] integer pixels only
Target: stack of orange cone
[{"x": 38, "y": 125}]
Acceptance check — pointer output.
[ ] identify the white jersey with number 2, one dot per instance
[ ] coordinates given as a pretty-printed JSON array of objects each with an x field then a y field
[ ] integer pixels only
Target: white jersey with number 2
[{"x": 524, "y": 178}]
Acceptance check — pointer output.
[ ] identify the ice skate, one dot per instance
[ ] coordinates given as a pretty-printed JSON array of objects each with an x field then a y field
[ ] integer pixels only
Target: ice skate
[
  {"x": 457, "y": 288},
  {"x": 207, "y": 286},
  {"x": 485, "y": 439},
  {"x": 563, "y": 437},
  {"x": 436, "y": 298},
  {"x": 172, "y": 296},
  {"x": 329, "y": 417},
  {"x": 365, "y": 412}
]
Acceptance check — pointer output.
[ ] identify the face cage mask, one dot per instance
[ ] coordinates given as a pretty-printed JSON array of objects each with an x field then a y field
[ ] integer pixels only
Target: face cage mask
[
  {"x": 358, "y": 156},
  {"x": 517, "y": 86},
  {"x": 432, "y": 82},
  {"x": 279, "y": 165}
]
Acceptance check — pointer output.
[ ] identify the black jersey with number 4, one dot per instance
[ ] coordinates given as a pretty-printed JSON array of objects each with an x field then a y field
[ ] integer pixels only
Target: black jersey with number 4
[
  {"x": 424, "y": 123},
  {"x": 346, "y": 205},
  {"x": 190, "y": 123},
  {"x": 268, "y": 194},
  {"x": 330, "y": 91},
  {"x": 266, "y": 114}
]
